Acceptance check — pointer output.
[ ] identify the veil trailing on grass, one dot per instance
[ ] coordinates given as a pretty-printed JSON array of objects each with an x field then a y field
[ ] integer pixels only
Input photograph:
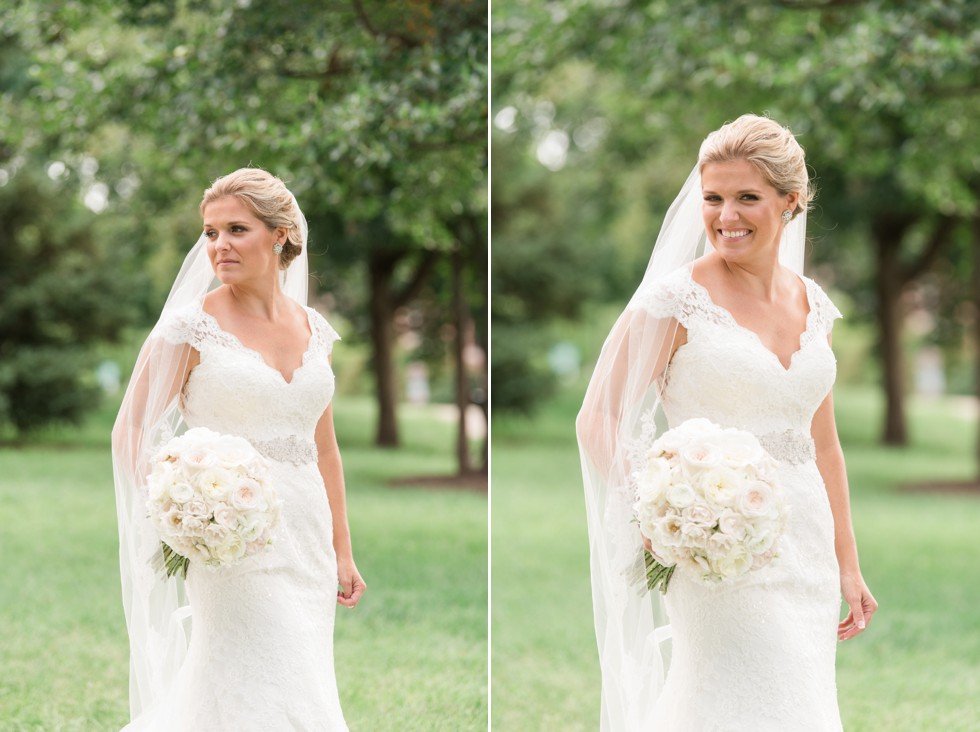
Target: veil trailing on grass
[
  {"x": 630, "y": 622},
  {"x": 158, "y": 616}
]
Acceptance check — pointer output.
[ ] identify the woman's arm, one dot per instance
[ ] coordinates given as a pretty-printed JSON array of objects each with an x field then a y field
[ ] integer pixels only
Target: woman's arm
[
  {"x": 352, "y": 586},
  {"x": 830, "y": 463}
]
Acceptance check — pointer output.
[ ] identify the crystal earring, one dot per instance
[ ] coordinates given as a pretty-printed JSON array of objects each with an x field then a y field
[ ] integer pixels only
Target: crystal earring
[
  {"x": 277, "y": 248},
  {"x": 787, "y": 216}
]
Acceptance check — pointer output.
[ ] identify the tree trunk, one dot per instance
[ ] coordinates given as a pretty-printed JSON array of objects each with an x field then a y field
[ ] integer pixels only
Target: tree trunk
[
  {"x": 471, "y": 257},
  {"x": 381, "y": 268},
  {"x": 976, "y": 324},
  {"x": 460, "y": 322},
  {"x": 888, "y": 233}
]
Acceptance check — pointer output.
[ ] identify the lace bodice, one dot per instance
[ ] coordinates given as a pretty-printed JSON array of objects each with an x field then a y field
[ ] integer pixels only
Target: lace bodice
[
  {"x": 261, "y": 646},
  {"x": 234, "y": 391},
  {"x": 726, "y": 374}
]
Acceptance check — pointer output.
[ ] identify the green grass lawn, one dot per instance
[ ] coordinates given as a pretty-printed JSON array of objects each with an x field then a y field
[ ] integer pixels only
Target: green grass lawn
[
  {"x": 916, "y": 669},
  {"x": 412, "y": 656}
]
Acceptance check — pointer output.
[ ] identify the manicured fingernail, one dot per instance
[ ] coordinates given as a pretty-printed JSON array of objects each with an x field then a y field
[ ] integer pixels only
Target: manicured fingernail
[{"x": 861, "y": 624}]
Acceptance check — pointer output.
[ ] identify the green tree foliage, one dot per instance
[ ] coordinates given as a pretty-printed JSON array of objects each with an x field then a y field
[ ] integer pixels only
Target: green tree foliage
[
  {"x": 880, "y": 93},
  {"x": 373, "y": 112},
  {"x": 60, "y": 291}
]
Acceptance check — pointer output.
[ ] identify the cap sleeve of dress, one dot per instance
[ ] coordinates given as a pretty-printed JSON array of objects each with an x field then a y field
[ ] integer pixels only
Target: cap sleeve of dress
[
  {"x": 188, "y": 325},
  {"x": 671, "y": 296},
  {"x": 323, "y": 332},
  {"x": 825, "y": 312}
]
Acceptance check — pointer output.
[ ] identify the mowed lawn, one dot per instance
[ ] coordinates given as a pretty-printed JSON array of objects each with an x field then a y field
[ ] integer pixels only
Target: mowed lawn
[
  {"x": 412, "y": 656},
  {"x": 917, "y": 668}
]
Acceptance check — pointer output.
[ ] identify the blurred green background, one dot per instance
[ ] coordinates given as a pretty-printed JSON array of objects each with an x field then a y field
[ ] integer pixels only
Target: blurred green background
[
  {"x": 115, "y": 115},
  {"x": 597, "y": 113}
]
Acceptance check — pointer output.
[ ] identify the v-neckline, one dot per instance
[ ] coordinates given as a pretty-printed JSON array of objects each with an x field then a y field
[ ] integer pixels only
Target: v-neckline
[
  {"x": 257, "y": 355},
  {"x": 727, "y": 315}
]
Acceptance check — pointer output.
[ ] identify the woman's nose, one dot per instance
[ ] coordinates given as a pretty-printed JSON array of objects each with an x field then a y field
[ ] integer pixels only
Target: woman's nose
[{"x": 729, "y": 212}]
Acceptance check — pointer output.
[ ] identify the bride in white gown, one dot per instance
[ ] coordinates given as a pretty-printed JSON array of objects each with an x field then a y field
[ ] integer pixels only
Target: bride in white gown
[
  {"x": 253, "y": 649},
  {"x": 725, "y": 327}
]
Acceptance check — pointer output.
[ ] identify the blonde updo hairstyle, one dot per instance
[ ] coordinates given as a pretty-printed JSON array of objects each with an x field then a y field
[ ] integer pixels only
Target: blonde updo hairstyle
[
  {"x": 268, "y": 198},
  {"x": 770, "y": 147}
]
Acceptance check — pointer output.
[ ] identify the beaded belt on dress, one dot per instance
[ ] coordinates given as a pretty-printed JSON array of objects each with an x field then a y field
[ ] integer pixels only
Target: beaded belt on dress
[
  {"x": 789, "y": 446},
  {"x": 290, "y": 449}
]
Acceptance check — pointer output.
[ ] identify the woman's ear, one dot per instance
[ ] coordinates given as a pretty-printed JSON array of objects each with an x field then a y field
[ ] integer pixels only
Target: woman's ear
[{"x": 792, "y": 201}]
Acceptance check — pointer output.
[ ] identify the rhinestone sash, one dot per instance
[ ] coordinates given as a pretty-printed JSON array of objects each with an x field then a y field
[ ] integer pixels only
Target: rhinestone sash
[
  {"x": 789, "y": 446},
  {"x": 290, "y": 449}
]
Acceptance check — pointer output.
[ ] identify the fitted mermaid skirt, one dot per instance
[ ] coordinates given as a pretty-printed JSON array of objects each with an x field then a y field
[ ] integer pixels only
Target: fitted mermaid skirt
[{"x": 757, "y": 654}]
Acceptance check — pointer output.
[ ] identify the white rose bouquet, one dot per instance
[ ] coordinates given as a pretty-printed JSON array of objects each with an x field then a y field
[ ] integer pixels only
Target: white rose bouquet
[
  {"x": 211, "y": 500},
  {"x": 707, "y": 500}
]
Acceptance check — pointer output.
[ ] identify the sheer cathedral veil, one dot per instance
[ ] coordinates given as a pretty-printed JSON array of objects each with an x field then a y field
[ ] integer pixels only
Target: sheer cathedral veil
[
  {"x": 158, "y": 616},
  {"x": 630, "y": 622}
]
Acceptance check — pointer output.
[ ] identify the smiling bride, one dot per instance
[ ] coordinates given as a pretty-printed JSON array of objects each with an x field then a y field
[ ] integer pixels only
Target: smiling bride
[{"x": 725, "y": 328}]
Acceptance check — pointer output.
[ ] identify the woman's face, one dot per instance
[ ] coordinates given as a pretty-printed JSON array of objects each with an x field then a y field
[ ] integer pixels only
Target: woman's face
[
  {"x": 742, "y": 211},
  {"x": 239, "y": 243}
]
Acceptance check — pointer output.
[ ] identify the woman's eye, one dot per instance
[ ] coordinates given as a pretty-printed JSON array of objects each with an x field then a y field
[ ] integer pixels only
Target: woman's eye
[
  {"x": 750, "y": 197},
  {"x": 210, "y": 234},
  {"x": 238, "y": 229},
  {"x": 711, "y": 199}
]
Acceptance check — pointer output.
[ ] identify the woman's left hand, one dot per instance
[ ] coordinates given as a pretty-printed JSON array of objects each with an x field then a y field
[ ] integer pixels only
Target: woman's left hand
[
  {"x": 862, "y": 606},
  {"x": 352, "y": 586}
]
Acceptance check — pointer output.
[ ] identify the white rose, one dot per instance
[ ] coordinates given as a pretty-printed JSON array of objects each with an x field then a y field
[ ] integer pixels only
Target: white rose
[
  {"x": 181, "y": 492},
  {"x": 732, "y": 564},
  {"x": 693, "y": 535},
  {"x": 198, "y": 458},
  {"x": 761, "y": 537},
  {"x": 182, "y": 545},
  {"x": 653, "y": 480},
  {"x": 757, "y": 500},
  {"x": 194, "y": 525},
  {"x": 719, "y": 545},
  {"x": 215, "y": 535},
  {"x": 171, "y": 521},
  {"x": 231, "y": 550},
  {"x": 236, "y": 452},
  {"x": 246, "y": 495},
  {"x": 700, "y": 454},
  {"x": 681, "y": 495},
  {"x": 198, "y": 550},
  {"x": 225, "y": 515},
  {"x": 700, "y": 513},
  {"x": 197, "y": 508},
  {"x": 668, "y": 531},
  {"x": 741, "y": 448},
  {"x": 216, "y": 484},
  {"x": 253, "y": 525},
  {"x": 733, "y": 524},
  {"x": 701, "y": 566},
  {"x": 721, "y": 486}
]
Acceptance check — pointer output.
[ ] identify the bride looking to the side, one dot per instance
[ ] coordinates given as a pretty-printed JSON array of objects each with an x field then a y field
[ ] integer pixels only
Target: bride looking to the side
[
  {"x": 248, "y": 646},
  {"x": 725, "y": 327}
]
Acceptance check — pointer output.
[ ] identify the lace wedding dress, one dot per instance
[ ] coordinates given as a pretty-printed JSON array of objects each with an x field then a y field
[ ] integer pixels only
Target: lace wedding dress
[
  {"x": 756, "y": 654},
  {"x": 261, "y": 648}
]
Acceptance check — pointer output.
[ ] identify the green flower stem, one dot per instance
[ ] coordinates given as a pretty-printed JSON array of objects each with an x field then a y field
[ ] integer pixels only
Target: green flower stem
[{"x": 658, "y": 576}]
